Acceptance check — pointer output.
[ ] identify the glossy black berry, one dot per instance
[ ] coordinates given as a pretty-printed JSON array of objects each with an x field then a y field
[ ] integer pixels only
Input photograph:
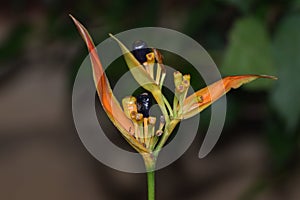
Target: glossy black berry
[
  {"x": 140, "y": 50},
  {"x": 144, "y": 103}
]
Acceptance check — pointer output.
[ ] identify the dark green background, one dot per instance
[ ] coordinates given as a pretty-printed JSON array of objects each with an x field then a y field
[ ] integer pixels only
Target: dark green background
[{"x": 257, "y": 156}]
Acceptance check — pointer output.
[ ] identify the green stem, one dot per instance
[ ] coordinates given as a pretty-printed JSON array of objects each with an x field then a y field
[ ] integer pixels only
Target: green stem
[
  {"x": 169, "y": 127},
  {"x": 168, "y": 106},
  {"x": 151, "y": 185},
  {"x": 150, "y": 161}
]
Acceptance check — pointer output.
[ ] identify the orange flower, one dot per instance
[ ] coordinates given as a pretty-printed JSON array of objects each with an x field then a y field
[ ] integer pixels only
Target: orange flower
[{"x": 137, "y": 129}]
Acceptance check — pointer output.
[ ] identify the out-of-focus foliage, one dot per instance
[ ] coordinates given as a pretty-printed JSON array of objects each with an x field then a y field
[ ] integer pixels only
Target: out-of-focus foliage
[
  {"x": 243, "y": 6},
  {"x": 286, "y": 95},
  {"x": 13, "y": 44},
  {"x": 266, "y": 38},
  {"x": 249, "y": 51}
]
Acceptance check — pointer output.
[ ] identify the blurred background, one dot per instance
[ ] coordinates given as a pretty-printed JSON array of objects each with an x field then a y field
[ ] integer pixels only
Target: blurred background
[{"x": 257, "y": 156}]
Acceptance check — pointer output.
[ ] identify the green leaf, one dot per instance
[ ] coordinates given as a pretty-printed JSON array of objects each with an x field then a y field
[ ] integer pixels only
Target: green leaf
[
  {"x": 249, "y": 52},
  {"x": 286, "y": 54},
  {"x": 295, "y": 5}
]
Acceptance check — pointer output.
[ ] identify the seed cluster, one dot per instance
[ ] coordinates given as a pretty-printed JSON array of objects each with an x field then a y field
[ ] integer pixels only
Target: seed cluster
[{"x": 137, "y": 109}]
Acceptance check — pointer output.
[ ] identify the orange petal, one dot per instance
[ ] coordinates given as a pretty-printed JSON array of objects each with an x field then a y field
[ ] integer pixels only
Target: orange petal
[
  {"x": 108, "y": 100},
  {"x": 206, "y": 96}
]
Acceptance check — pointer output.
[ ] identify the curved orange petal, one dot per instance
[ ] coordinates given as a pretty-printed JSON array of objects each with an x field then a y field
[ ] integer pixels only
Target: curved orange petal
[
  {"x": 203, "y": 98},
  {"x": 107, "y": 98}
]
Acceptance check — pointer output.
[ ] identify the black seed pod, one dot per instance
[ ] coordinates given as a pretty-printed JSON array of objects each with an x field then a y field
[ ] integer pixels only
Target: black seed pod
[
  {"x": 144, "y": 103},
  {"x": 140, "y": 50}
]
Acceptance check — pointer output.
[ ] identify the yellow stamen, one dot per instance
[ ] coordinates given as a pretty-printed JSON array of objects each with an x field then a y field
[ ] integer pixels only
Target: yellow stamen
[
  {"x": 129, "y": 105},
  {"x": 146, "y": 136},
  {"x": 150, "y": 62}
]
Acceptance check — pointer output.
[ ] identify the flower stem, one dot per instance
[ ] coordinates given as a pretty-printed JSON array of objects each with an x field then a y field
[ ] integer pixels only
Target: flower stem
[
  {"x": 151, "y": 185},
  {"x": 150, "y": 161}
]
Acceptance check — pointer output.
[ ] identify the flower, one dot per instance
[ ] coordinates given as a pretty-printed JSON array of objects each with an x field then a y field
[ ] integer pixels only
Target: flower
[{"x": 133, "y": 121}]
